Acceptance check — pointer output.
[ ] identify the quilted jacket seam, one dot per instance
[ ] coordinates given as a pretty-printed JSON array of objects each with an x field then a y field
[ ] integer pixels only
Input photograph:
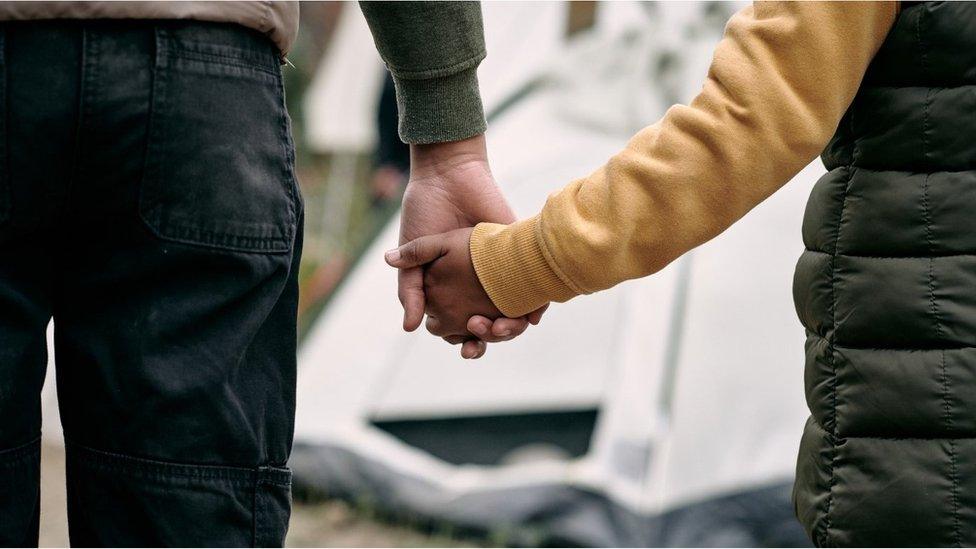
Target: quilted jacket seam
[
  {"x": 892, "y": 438},
  {"x": 912, "y": 86},
  {"x": 966, "y": 168},
  {"x": 811, "y": 333},
  {"x": 933, "y": 304},
  {"x": 920, "y": 257},
  {"x": 831, "y": 348}
]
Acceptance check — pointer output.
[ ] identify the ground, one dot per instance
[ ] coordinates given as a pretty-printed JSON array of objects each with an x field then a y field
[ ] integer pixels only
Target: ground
[{"x": 325, "y": 524}]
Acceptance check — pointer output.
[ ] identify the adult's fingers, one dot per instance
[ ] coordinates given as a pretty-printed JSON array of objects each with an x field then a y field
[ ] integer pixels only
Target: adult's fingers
[
  {"x": 417, "y": 252},
  {"x": 473, "y": 348},
  {"x": 535, "y": 317},
  {"x": 410, "y": 290}
]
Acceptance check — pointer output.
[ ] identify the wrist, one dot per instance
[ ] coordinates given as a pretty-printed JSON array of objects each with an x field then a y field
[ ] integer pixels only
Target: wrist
[
  {"x": 512, "y": 266},
  {"x": 438, "y": 159}
]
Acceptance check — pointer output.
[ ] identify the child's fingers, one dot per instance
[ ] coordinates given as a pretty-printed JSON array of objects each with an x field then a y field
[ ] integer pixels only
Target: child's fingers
[
  {"x": 417, "y": 252},
  {"x": 479, "y": 326},
  {"x": 508, "y": 328},
  {"x": 501, "y": 329}
]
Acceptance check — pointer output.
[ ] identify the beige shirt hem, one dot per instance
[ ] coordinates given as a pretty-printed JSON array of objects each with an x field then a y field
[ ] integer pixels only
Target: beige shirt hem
[{"x": 278, "y": 20}]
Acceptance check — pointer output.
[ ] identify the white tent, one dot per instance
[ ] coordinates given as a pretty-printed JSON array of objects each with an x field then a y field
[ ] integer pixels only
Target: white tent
[{"x": 666, "y": 411}]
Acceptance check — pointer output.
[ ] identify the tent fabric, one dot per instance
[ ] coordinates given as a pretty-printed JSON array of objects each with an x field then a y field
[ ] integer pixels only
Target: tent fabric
[{"x": 555, "y": 513}]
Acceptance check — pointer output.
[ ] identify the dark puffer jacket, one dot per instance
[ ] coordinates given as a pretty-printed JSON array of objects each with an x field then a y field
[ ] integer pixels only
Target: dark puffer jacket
[{"x": 887, "y": 292}]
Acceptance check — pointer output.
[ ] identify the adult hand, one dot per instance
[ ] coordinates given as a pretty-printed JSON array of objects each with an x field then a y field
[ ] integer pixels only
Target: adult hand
[{"x": 451, "y": 187}]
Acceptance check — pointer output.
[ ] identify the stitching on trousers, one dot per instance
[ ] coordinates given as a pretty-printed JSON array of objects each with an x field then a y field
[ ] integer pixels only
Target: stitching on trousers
[
  {"x": 238, "y": 475},
  {"x": 18, "y": 455}
]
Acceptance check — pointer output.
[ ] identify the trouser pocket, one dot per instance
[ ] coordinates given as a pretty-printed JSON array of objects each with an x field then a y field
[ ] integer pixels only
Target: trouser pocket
[
  {"x": 219, "y": 167},
  {"x": 116, "y": 500}
]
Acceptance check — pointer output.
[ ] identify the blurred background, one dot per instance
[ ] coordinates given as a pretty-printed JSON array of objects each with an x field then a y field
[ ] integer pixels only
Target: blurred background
[{"x": 666, "y": 411}]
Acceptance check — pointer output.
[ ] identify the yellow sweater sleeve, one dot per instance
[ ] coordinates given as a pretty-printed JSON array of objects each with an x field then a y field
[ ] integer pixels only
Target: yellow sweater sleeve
[{"x": 779, "y": 83}]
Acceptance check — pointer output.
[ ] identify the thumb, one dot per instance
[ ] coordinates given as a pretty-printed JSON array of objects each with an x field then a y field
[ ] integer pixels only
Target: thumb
[
  {"x": 410, "y": 290},
  {"x": 417, "y": 252}
]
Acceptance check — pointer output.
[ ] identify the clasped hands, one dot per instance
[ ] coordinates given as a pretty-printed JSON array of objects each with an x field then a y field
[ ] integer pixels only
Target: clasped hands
[{"x": 451, "y": 189}]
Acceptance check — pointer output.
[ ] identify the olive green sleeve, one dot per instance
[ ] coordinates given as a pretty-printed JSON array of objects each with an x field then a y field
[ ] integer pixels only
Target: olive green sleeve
[{"x": 433, "y": 50}]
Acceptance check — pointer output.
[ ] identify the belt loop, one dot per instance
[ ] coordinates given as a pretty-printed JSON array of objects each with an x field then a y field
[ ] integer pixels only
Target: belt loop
[
  {"x": 159, "y": 35},
  {"x": 155, "y": 44},
  {"x": 270, "y": 474}
]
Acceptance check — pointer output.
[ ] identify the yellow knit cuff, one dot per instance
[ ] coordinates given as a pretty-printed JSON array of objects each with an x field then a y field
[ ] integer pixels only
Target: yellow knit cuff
[{"x": 512, "y": 268}]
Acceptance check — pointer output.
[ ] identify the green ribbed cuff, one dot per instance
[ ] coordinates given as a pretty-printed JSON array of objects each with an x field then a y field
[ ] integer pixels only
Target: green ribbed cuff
[{"x": 438, "y": 110}]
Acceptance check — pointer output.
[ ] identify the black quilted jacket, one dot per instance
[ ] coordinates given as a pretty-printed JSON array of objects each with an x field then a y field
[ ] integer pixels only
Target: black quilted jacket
[{"x": 887, "y": 292}]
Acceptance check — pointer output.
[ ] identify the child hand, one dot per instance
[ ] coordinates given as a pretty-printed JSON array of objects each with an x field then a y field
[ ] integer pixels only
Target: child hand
[{"x": 453, "y": 292}]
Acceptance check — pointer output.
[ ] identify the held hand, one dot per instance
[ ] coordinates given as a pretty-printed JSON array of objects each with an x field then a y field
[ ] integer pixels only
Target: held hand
[
  {"x": 451, "y": 187},
  {"x": 453, "y": 293}
]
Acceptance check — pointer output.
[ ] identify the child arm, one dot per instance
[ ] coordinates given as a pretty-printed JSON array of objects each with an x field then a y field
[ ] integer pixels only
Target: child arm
[{"x": 779, "y": 83}]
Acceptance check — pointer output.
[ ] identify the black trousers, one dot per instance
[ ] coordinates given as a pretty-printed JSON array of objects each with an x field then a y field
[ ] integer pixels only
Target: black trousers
[{"x": 148, "y": 204}]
